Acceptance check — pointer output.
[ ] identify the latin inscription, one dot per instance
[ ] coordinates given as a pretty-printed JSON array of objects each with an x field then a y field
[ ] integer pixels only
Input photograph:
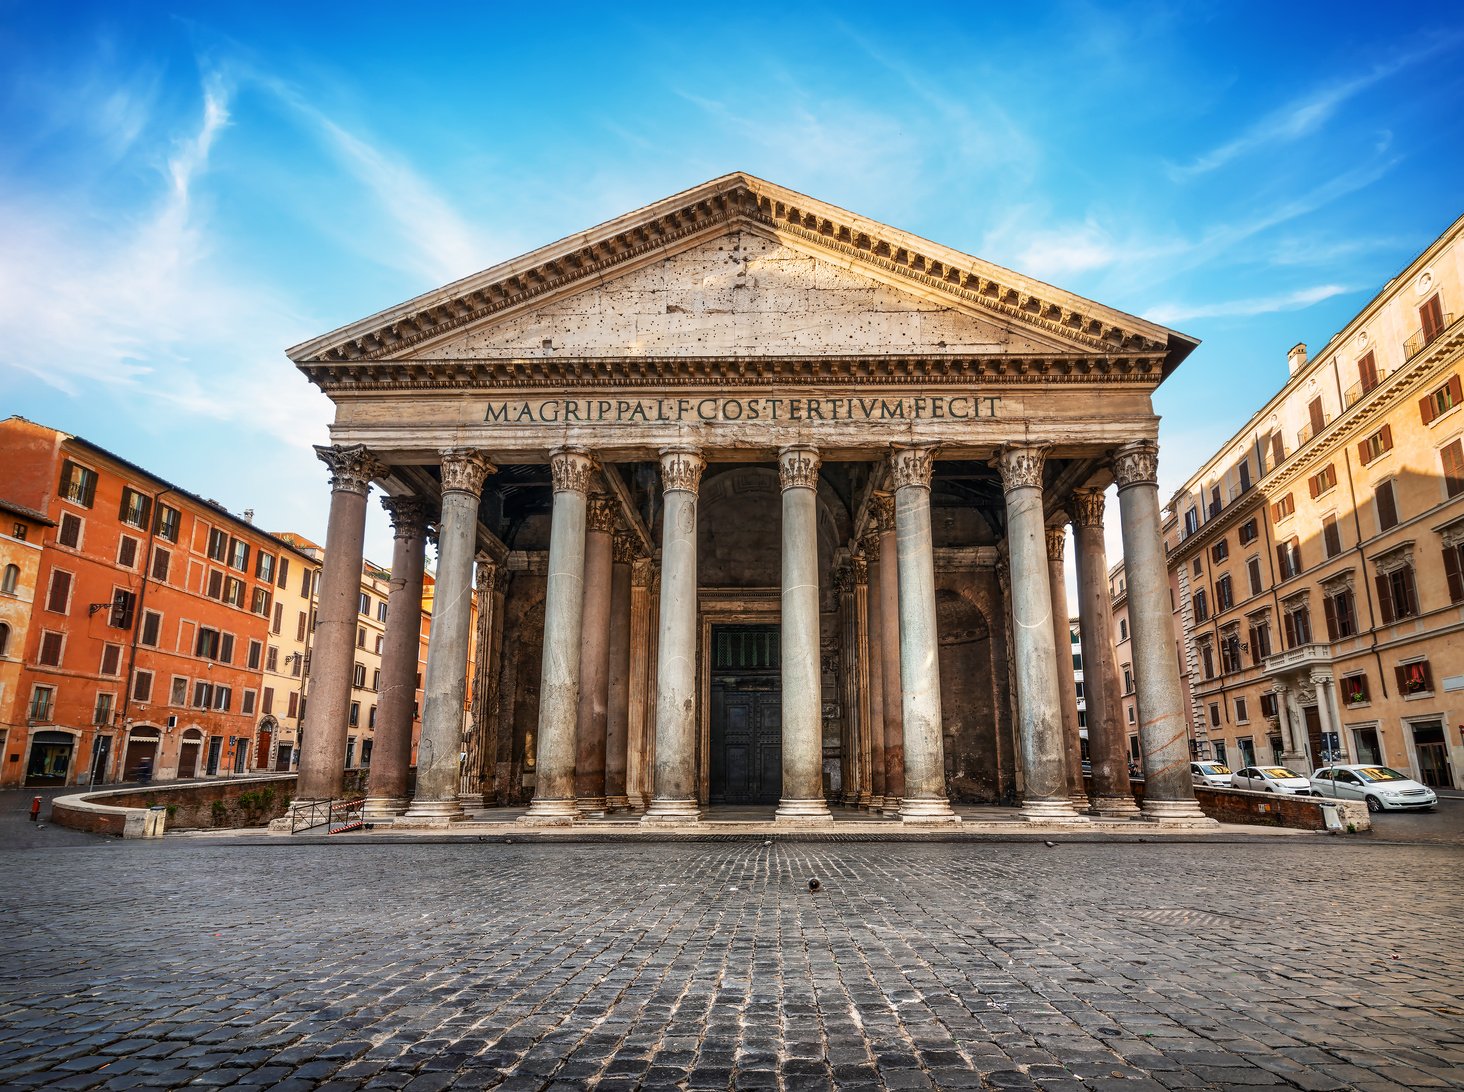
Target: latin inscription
[{"x": 597, "y": 411}]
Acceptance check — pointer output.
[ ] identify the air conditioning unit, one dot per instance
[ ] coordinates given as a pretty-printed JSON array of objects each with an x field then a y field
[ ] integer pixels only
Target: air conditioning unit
[{"x": 172, "y": 721}]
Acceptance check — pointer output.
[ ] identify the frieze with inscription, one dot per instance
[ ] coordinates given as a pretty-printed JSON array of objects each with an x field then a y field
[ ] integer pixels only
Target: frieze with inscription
[{"x": 719, "y": 409}]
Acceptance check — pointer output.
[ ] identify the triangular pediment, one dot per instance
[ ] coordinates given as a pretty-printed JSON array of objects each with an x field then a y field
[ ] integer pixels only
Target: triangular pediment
[{"x": 741, "y": 268}]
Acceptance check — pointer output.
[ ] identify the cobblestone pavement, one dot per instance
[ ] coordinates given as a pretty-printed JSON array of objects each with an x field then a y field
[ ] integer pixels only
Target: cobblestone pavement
[{"x": 1313, "y": 964}]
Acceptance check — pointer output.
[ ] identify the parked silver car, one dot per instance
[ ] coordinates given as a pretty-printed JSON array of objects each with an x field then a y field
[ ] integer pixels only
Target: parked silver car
[
  {"x": 1210, "y": 775},
  {"x": 1382, "y": 788},
  {"x": 1271, "y": 779}
]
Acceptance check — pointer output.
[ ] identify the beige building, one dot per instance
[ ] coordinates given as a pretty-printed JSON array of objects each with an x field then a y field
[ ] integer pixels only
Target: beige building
[
  {"x": 1319, "y": 566},
  {"x": 21, "y": 533},
  {"x": 284, "y": 688}
]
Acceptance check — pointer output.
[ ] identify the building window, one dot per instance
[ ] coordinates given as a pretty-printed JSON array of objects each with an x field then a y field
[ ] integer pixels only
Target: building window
[
  {"x": 1375, "y": 445},
  {"x": 202, "y": 695},
  {"x": 1200, "y": 606},
  {"x": 360, "y": 636},
  {"x": 1288, "y": 558},
  {"x": 294, "y": 705},
  {"x": 1323, "y": 481},
  {"x": 268, "y": 707},
  {"x": 1207, "y": 660},
  {"x": 52, "y": 644},
  {"x": 256, "y": 650},
  {"x": 1452, "y": 456},
  {"x": 1230, "y": 654},
  {"x": 1253, "y": 574},
  {"x": 111, "y": 660},
  {"x": 68, "y": 533},
  {"x": 282, "y": 572},
  {"x": 126, "y": 552},
  {"x": 272, "y": 659},
  {"x": 218, "y": 544},
  {"x": 246, "y": 703},
  {"x": 206, "y": 645},
  {"x": 1128, "y": 679},
  {"x": 279, "y": 618},
  {"x": 222, "y": 696},
  {"x": 1331, "y": 536},
  {"x": 179, "y": 695},
  {"x": 1245, "y": 474},
  {"x": 78, "y": 483},
  {"x": 365, "y": 607},
  {"x": 1241, "y": 714},
  {"x": 215, "y": 589},
  {"x": 238, "y": 555},
  {"x": 1283, "y": 508},
  {"x": 142, "y": 686},
  {"x": 1214, "y": 714},
  {"x": 1341, "y": 614},
  {"x": 11, "y": 580},
  {"x": 1385, "y": 504},
  {"x": 58, "y": 598},
  {"x": 1220, "y": 551},
  {"x": 1397, "y": 595},
  {"x": 1199, "y": 568},
  {"x": 1367, "y": 371},
  {"x": 1441, "y": 401},
  {"x": 1353, "y": 690},
  {"x": 1191, "y": 521},
  {"x": 1431, "y": 315},
  {"x": 1224, "y": 594},
  {"x": 234, "y": 592},
  {"x": 42, "y": 702},
  {"x": 259, "y": 602},
  {"x": 161, "y": 559},
  {"x": 358, "y": 677},
  {"x": 1130, "y": 714},
  {"x": 1122, "y": 630},
  {"x": 300, "y": 624},
  {"x": 355, "y": 717},
  {"x": 1297, "y": 619},
  {"x": 381, "y": 611},
  {"x": 1454, "y": 571},
  {"x": 165, "y": 522},
  {"x": 264, "y": 565},
  {"x": 135, "y": 508},
  {"x": 1260, "y": 640},
  {"x": 152, "y": 625},
  {"x": 1414, "y": 678},
  {"x": 1248, "y": 532}
]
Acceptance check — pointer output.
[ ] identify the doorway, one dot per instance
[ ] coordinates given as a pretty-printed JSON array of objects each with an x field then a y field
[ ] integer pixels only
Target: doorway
[
  {"x": 746, "y": 715},
  {"x": 1434, "y": 768},
  {"x": 140, "y": 762},
  {"x": 50, "y": 759}
]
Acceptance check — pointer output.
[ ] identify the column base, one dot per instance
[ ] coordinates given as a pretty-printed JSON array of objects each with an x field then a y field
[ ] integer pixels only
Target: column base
[
  {"x": 550, "y": 813},
  {"x": 849, "y": 799},
  {"x": 873, "y": 803},
  {"x": 1115, "y": 807},
  {"x": 1081, "y": 802},
  {"x": 803, "y": 811},
  {"x": 377, "y": 808},
  {"x": 934, "y": 810},
  {"x": 1051, "y": 811},
  {"x": 671, "y": 812},
  {"x": 617, "y": 803},
  {"x": 471, "y": 800},
  {"x": 428, "y": 814},
  {"x": 1176, "y": 813},
  {"x": 591, "y": 807},
  {"x": 891, "y": 806}
]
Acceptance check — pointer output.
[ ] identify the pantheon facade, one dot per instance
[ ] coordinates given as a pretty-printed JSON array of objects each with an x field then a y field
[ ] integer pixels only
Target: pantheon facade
[{"x": 761, "y": 503}]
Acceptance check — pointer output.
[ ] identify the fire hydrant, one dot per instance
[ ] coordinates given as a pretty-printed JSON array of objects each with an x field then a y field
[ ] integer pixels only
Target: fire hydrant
[{"x": 35, "y": 808}]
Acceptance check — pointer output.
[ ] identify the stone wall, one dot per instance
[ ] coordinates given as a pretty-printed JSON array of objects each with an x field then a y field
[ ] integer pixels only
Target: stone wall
[
  {"x": 1278, "y": 810},
  {"x": 213, "y": 805}
]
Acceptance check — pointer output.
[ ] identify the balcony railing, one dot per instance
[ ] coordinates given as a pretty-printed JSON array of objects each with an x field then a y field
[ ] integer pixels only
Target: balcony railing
[
  {"x": 1306, "y": 431},
  {"x": 1357, "y": 390},
  {"x": 1308, "y": 655},
  {"x": 1419, "y": 341}
]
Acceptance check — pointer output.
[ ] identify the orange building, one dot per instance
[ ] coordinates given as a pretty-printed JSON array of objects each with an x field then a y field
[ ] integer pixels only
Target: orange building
[{"x": 152, "y": 608}]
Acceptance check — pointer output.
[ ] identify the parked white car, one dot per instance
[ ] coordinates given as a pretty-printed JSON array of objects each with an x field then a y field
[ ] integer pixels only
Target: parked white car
[
  {"x": 1382, "y": 788},
  {"x": 1271, "y": 779},
  {"x": 1210, "y": 775}
]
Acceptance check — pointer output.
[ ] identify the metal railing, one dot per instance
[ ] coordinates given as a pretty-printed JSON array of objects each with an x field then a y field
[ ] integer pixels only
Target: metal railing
[
  {"x": 1420, "y": 341},
  {"x": 337, "y": 816},
  {"x": 1355, "y": 393}
]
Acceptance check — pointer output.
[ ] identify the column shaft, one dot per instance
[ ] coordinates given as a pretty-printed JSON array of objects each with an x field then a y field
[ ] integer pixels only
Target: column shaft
[
  {"x": 889, "y": 639},
  {"x": 1067, "y": 680},
  {"x": 564, "y": 603},
  {"x": 617, "y": 711},
  {"x": 391, "y": 755},
  {"x": 1046, "y": 797},
  {"x": 445, "y": 687},
  {"x": 594, "y": 691},
  {"x": 644, "y": 633},
  {"x": 874, "y": 670},
  {"x": 1168, "y": 788},
  {"x": 676, "y": 722},
  {"x": 323, "y": 734},
  {"x": 924, "y": 797}
]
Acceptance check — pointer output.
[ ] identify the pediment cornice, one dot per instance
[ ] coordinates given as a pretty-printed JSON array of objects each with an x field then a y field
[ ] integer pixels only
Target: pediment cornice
[{"x": 1082, "y": 326}]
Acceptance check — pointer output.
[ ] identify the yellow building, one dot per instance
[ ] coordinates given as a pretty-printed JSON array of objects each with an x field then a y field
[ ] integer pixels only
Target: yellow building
[
  {"x": 283, "y": 691},
  {"x": 1319, "y": 561}
]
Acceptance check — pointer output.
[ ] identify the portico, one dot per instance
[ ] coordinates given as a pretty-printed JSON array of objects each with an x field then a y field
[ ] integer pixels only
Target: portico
[{"x": 741, "y": 412}]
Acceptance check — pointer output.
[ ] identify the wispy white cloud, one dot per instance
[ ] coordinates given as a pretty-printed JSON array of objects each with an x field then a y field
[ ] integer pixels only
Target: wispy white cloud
[{"x": 1288, "y": 301}]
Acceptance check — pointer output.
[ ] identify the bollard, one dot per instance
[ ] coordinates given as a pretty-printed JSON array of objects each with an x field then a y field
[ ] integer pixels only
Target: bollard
[{"x": 35, "y": 812}]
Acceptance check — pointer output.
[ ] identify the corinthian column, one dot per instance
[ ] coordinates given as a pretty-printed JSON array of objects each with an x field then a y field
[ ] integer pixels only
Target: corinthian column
[
  {"x": 1039, "y": 710},
  {"x": 1107, "y": 737},
  {"x": 924, "y": 799},
  {"x": 1067, "y": 679},
  {"x": 874, "y": 674},
  {"x": 617, "y": 706},
  {"x": 675, "y": 793},
  {"x": 445, "y": 687},
  {"x": 323, "y": 734},
  {"x": 891, "y": 624},
  {"x": 803, "y": 798},
  {"x": 564, "y": 604},
  {"x": 864, "y": 702},
  {"x": 594, "y": 692},
  {"x": 1169, "y": 794},
  {"x": 481, "y": 776},
  {"x": 386, "y": 795}
]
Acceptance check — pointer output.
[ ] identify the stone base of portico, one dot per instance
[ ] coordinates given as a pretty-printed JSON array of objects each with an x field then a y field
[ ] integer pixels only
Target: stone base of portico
[
  {"x": 803, "y": 811},
  {"x": 430, "y": 815},
  {"x": 874, "y": 803},
  {"x": 1051, "y": 811},
  {"x": 672, "y": 813},
  {"x": 551, "y": 813},
  {"x": 1082, "y": 802},
  {"x": 618, "y": 803},
  {"x": 927, "y": 811},
  {"x": 1176, "y": 813},
  {"x": 592, "y": 806},
  {"x": 1116, "y": 807},
  {"x": 383, "y": 807}
]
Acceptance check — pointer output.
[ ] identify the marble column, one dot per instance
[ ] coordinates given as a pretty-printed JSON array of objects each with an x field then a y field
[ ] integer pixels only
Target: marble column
[
  {"x": 1107, "y": 734},
  {"x": 924, "y": 797},
  {"x": 850, "y": 767},
  {"x": 875, "y": 661},
  {"x": 1293, "y": 737},
  {"x": 801, "y": 675},
  {"x": 1169, "y": 794},
  {"x": 391, "y": 755},
  {"x": 445, "y": 687},
  {"x": 617, "y": 708},
  {"x": 486, "y": 737},
  {"x": 675, "y": 799},
  {"x": 1039, "y": 709},
  {"x": 564, "y": 603},
  {"x": 862, "y": 681},
  {"x": 1067, "y": 680},
  {"x": 645, "y": 594},
  {"x": 891, "y": 622},
  {"x": 594, "y": 690},
  {"x": 323, "y": 733}
]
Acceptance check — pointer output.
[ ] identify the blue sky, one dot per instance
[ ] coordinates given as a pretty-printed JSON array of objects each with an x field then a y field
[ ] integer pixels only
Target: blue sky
[{"x": 186, "y": 191}]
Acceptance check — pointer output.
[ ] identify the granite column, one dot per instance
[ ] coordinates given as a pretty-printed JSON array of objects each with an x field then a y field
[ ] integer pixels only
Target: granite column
[
  {"x": 594, "y": 690},
  {"x": 617, "y": 707},
  {"x": 891, "y": 622}
]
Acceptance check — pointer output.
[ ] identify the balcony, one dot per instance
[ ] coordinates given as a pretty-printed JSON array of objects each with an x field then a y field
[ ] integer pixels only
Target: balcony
[
  {"x": 1356, "y": 392},
  {"x": 1298, "y": 659},
  {"x": 1307, "y": 431},
  {"x": 1420, "y": 341}
]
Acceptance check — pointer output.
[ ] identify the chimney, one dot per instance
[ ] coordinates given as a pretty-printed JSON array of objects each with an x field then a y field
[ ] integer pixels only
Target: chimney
[
  {"x": 249, "y": 512},
  {"x": 1296, "y": 358}
]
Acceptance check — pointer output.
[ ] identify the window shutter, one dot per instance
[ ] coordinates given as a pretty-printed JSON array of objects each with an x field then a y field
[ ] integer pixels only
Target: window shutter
[
  {"x": 1455, "y": 577},
  {"x": 1314, "y": 485},
  {"x": 1367, "y": 371},
  {"x": 1407, "y": 605},
  {"x": 1385, "y": 599},
  {"x": 1314, "y": 411},
  {"x": 1278, "y": 452},
  {"x": 1432, "y": 314},
  {"x": 1385, "y": 434},
  {"x": 1329, "y": 609},
  {"x": 1387, "y": 506},
  {"x": 1456, "y": 391},
  {"x": 1400, "y": 673},
  {"x": 1289, "y": 625},
  {"x": 1362, "y": 453},
  {"x": 1426, "y": 409}
]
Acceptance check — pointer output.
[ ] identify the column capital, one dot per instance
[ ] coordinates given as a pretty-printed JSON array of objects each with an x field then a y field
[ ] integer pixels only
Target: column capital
[
  {"x": 869, "y": 546},
  {"x": 1321, "y": 676},
  {"x": 859, "y": 569},
  {"x": 1056, "y": 541},
  {"x": 911, "y": 466},
  {"x": 624, "y": 550},
  {"x": 1136, "y": 463},
  {"x": 1087, "y": 508},
  {"x": 489, "y": 576},
  {"x": 572, "y": 469},
  {"x": 882, "y": 511},
  {"x": 681, "y": 468},
  {"x": 463, "y": 471},
  {"x": 844, "y": 578},
  {"x": 1280, "y": 689},
  {"x": 351, "y": 467},
  {"x": 409, "y": 516},
  {"x": 798, "y": 467},
  {"x": 600, "y": 514},
  {"x": 1021, "y": 465},
  {"x": 643, "y": 572}
]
